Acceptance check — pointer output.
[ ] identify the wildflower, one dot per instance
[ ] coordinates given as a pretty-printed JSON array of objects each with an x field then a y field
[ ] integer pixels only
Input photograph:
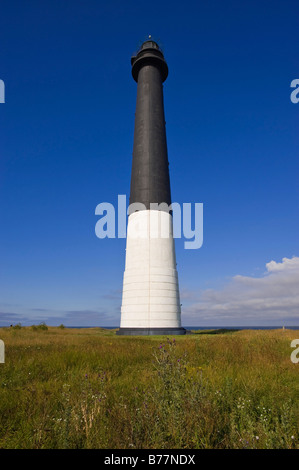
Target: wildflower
[
  {"x": 292, "y": 437},
  {"x": 257, "y": 438}
]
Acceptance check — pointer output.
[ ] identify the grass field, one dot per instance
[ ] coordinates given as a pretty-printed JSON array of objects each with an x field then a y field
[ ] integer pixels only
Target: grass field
[{"x": 88, "y": 388}]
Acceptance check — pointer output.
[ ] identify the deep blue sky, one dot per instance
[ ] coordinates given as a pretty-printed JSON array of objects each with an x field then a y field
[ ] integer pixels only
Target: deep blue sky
[{"x": 66, "y": 138}]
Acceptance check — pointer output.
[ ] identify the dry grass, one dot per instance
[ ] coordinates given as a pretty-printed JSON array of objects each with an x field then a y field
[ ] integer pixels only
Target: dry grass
[{"x": 87, "y": 388}]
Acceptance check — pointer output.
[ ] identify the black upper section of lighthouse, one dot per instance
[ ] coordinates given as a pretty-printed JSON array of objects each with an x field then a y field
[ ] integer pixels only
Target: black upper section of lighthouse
[
  {"x": 149, "y": 53},
  {"x": 150, "y": 174}
]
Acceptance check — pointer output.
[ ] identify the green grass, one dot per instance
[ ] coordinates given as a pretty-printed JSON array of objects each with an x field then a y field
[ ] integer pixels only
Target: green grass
[{"x": 88, "y": 388}]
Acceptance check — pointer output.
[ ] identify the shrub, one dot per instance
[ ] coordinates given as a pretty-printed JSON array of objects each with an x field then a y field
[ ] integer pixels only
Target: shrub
[{"x": 42, "y": 326}]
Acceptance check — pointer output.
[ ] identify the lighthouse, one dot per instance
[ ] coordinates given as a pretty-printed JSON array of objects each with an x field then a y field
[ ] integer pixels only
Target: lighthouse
[{"x": 150, "y": 297}]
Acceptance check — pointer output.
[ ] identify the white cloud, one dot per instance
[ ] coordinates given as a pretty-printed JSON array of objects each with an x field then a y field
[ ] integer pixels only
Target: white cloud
[
  {"x": 273, "y": 298},
  {"x": 287, "y": 264}
]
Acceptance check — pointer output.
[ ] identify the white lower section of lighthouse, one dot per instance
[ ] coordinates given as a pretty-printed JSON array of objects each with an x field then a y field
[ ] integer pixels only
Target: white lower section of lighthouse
[{"x": 150, "y": 299}]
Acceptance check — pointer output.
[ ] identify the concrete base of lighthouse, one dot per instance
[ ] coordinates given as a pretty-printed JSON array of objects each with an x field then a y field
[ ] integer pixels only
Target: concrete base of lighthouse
[
  {"x": 151, "y": 331},
  {"x": 150, "y": 301}
]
